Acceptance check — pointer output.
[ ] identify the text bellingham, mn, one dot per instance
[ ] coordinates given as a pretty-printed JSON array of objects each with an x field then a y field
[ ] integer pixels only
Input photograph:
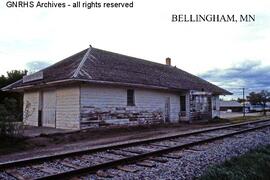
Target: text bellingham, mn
[{"x": 212, "y": 18}]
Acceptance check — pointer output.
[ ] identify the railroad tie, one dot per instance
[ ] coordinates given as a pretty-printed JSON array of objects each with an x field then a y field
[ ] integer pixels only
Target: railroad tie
[
  {"x": 75, "y": 178},
  {"x": 135, "y": 151},
  {"x": 145, "y": 149},
  {"x": 122, "y": 153},
  {"x": 193, "y": 139},
  {"x": 212, "y": 134},
  {"x": 173, "y": 141},
  {"x": 146, "y": 163},
  {"x": 173, "y": 155},
  {"x": 198, "y": 148},
  {"x": 127, "y": 168},
  {"x": 45, "y": 169},
  {"x": 191, "y": 151},
  {"x": 102, "y": 173},
  {"x": 158, "y": 159},
  {"x": 110, "y": 156},
  {"x": 160, "y": 145},
  {"x": 70, "y": 164},
  {"x": 15, "y": 174}
]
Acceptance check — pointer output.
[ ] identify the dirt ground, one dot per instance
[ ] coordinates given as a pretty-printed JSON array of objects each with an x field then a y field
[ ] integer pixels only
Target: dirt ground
[{"x": 71, "y": 141}]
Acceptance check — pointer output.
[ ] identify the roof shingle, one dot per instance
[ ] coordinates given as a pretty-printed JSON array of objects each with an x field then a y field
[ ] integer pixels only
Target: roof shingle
[{"x": 106, "y": 66}]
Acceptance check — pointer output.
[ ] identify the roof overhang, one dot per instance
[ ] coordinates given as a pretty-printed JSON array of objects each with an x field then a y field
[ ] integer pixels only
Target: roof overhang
[
  {"x": 75, "y": 81},
  {"x": 72, "y": 81}
]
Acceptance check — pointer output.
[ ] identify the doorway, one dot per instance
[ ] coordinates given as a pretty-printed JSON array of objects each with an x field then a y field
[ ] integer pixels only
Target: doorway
[
  {"x": 40, "y": 109},
  {"x": 49, "y": 108}
]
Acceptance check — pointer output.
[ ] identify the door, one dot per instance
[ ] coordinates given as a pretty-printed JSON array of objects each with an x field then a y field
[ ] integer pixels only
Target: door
[
  {"x": 167, "y": 109},
  {"x": 49, "y": 109}
]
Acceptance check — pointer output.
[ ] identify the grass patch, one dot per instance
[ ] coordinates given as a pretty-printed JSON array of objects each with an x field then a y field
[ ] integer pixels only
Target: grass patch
[
  {"x": 11, "y": 144},
  {"x": 250, "y": 166},
  {"x": 233, "y": 120},
  {"x": 247, "y": 118},
  {"x": 218, "y": 120}
]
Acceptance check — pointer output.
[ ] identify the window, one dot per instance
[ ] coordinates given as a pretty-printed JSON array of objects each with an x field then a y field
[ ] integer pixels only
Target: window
[
  {"x": 183, "y": 103},
  {"x": 130, "y": 97}
]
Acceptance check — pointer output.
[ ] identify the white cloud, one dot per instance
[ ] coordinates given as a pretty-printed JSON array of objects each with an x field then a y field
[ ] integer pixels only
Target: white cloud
[{"x": 145, "y": 31}]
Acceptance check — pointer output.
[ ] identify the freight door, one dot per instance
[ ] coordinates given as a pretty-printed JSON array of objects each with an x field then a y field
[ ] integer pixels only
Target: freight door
[{"x": 49, "y": 109}]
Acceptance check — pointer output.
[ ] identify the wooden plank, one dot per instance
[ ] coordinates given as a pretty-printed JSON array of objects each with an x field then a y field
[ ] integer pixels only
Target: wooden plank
[
  {"x": 15, "y": 174},
  {"x": 75, "y": 178},
  {"x": 102, "y": 173},
  {"x": 69, "y": 164},
  {"x": 146, "y": 163},
  {"x": 197, "y": 149},
  {"x": 158, "y": 159},
  {"x": 174, "y": 141},
  {"x": 127, "y": 169},
  {"x": 160, "y": 145},
  {"x": 191, "y": 150},
  {"x": 45, "y": 169},
  {"x": 133, "y": 151},
  {"x": 145, "y": 149},
  {"x": 173, "y": 155},
  {"x": 122, "y": 153}
]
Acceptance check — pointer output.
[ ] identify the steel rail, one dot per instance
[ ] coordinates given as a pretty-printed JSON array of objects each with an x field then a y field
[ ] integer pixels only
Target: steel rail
[
  {"x": 24, "y": 162},
  {"x": 138, "y": 157}
]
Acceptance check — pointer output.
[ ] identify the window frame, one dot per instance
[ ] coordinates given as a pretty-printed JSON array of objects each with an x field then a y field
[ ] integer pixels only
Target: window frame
[{"x": 130, "y": 97}]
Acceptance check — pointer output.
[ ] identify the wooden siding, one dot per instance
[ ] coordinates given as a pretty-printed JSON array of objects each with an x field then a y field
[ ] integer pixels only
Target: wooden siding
[
  {"x": 97, "y": 105},
  {"x": 30, "y": 108},
  {"x": 215, "y": 112},
  {"x": 49, "y": 108},
  {"x": 68, "y": 108},
  {"x": 109, "y": 105},
  {"x": 155, "y": 100}
]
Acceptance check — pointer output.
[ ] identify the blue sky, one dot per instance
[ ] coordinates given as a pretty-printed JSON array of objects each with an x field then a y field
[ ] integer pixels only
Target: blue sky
[{"x": 231, "y": 55}]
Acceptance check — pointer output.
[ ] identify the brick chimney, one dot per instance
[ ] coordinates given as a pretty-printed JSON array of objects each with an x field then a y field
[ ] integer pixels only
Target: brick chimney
[{"x": 168, "y": 61}]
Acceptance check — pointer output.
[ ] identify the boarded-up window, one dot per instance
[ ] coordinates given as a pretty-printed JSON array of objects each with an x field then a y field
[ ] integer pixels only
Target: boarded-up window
[{"x": 130, "y": 97}]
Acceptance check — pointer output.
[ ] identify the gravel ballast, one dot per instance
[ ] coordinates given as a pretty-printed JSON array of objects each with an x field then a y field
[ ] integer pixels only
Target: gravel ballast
[{"x": 195, "y": 161}]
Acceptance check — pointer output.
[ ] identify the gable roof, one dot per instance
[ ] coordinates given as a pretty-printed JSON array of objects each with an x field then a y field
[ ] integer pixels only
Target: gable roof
[{"x": 100, "y": 66}]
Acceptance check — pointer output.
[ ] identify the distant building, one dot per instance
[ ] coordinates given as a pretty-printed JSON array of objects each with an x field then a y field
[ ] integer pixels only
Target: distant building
[
  {"x": 232, "y": 106},
  {"x": 257, "y": 107}
]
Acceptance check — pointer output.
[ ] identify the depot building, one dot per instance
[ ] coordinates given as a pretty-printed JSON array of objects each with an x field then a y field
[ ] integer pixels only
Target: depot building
[{"x": 95, "y": 88}]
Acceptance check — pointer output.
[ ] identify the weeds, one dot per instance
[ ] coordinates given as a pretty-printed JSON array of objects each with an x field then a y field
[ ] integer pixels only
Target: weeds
[{"x": 253, "y": 165}]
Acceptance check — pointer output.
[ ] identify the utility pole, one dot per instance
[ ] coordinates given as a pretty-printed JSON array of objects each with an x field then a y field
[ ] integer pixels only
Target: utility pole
[{"x": 244, "y": 103}]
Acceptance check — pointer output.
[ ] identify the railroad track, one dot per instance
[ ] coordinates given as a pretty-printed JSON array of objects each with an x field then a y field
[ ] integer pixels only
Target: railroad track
[{"x": 144, "y": 153}]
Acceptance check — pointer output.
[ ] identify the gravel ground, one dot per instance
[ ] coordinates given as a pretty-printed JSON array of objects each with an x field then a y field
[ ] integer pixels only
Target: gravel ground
[
  {"x": 195, "y": 161},
  {"x": 81, "y": 162},
  {"x": 4, "y": 175},
  {"x": 57, "y": 166},
  {"x": 28, "y": 172}
]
